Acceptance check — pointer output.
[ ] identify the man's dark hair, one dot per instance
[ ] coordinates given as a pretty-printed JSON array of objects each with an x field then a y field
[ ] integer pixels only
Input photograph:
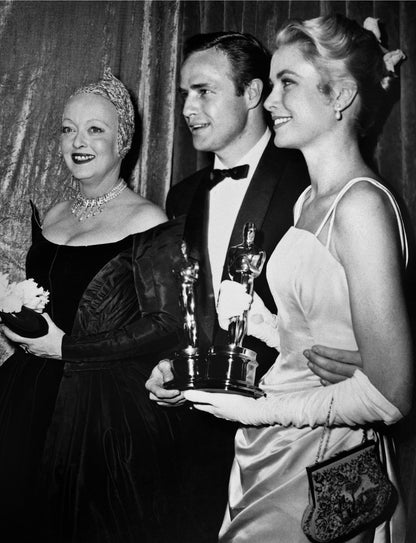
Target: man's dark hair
[{"x": 248, "y": 57}]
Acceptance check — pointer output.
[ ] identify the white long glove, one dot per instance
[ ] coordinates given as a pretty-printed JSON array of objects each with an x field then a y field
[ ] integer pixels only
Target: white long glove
[
  {"x": 233, "y": 300},
  {"x": 356, "y": 402}
]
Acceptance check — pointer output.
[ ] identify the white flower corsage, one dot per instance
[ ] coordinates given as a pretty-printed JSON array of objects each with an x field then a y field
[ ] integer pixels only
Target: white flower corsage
[
  {"x": 371, "y": 24},
  {"x": 13, "y": 296},
  {"x": 391, "y": 58}
]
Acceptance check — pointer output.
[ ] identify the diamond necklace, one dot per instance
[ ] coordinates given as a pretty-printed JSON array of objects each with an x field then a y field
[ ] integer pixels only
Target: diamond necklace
[{"x": 84, "y": 208}]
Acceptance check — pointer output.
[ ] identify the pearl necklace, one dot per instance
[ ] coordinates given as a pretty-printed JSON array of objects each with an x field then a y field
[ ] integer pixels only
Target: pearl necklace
[{"x": 84, "y": 208}]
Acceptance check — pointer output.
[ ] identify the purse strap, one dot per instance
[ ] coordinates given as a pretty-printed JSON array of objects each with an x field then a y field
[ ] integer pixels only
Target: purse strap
[
  {"x": 323, "y": 442},
  {"x": 326, "y": 431}
]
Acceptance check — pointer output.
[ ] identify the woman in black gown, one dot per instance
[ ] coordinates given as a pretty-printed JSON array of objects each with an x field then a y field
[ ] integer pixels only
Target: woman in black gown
[{"x": 85, "y": 456}]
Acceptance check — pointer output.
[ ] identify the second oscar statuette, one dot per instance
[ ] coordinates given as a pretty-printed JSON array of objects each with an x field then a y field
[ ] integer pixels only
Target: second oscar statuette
[{"x": 232, "y": 368}]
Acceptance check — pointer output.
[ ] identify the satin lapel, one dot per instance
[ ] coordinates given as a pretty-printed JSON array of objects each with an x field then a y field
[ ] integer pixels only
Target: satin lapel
[
  {"x": 258, "y": 196},
  {"x": 195, "y": 226},
  {"x": 196, "y": 237}
]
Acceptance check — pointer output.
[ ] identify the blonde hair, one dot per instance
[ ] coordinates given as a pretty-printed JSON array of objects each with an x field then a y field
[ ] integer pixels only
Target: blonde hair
[{"x": 340, "y": 48}]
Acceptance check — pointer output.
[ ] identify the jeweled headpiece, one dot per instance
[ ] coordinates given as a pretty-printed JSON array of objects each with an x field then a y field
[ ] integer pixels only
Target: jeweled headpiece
[{"x": 112, "y": 89}]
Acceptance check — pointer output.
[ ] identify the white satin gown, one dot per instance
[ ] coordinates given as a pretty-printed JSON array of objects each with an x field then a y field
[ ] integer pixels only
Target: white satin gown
[{"x": 268, "y": 489}]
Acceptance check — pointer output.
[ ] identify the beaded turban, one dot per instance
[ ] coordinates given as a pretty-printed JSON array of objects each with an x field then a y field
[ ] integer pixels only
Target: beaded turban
[{"x": 112, "y": 89}]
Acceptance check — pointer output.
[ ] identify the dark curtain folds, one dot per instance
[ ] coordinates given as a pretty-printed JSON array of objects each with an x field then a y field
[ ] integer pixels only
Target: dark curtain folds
[{"x": 49, "y": 48}]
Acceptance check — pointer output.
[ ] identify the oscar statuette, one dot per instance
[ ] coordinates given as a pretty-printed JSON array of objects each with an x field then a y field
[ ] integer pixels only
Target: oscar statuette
[
  {"x": 232, "y": 368},
  {"x": 186, "y": 362}
]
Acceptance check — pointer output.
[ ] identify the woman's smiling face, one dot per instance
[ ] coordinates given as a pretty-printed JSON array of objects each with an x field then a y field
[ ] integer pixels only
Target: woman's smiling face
[
  {"x": 300, "y": 110},
  {"x": 89, "y": 137}
]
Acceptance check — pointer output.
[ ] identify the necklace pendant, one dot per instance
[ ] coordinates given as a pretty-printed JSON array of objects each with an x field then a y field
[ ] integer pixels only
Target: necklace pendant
[{"x": 83, "y": 208}]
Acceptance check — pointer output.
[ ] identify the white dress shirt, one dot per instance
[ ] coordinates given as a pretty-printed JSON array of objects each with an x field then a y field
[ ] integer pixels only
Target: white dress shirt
[{"x": 224, "y": 204}]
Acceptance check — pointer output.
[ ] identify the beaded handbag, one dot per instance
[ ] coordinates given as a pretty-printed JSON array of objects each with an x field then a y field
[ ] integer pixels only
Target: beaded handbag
[{"x": 348, "y": 493}]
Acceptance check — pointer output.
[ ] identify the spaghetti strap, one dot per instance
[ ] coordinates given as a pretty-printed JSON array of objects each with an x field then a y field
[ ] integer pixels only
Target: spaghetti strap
[
  {"x": 297, "y": 209},
  {"x": 325, "y": 219},
  {"x": 332, "y": 209}
]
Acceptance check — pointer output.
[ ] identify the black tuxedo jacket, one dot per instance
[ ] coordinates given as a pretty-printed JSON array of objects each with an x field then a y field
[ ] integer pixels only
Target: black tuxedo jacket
[{"x": 280, "y": 177}]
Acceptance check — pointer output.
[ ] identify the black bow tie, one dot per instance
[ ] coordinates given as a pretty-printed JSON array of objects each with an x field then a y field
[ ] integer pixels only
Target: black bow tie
[{"x": 238, "y": 172}]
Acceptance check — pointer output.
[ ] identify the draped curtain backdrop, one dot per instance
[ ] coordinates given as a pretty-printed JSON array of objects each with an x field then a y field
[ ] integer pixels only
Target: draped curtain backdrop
[{"x": 49, "y": 48}]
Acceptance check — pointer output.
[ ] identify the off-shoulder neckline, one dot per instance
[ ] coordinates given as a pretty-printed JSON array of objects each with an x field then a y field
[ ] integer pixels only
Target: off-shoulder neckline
[{"x": 86, "y": 246}]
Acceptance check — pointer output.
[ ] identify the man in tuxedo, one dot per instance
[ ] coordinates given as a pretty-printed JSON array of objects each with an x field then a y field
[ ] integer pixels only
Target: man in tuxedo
[
  {"x": 223, "y": 107},
  {"x": 224, "y": 80}
]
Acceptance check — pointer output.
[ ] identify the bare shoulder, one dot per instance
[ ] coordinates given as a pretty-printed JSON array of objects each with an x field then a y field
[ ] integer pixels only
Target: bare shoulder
[
  {"x": 151, "y": 215},
  {"x": 143, "y": 215},
  {"x": 365, "y": 226},
  {"x": 364, "y": 204}
]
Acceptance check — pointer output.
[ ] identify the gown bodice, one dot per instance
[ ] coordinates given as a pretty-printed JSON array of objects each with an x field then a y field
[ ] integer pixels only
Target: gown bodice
[
  {"x": 310, "y": 289},
  {"x": 299, "y": 273},
  {"x": 65, "y": 271}
]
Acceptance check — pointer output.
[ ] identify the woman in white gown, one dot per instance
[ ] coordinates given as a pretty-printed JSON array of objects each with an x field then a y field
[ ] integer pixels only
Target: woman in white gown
[{"x": 336, "y": 277}]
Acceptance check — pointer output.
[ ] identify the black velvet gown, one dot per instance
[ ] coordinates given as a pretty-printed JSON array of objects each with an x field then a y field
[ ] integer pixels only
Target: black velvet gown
[{"x": 85, "y": 456}]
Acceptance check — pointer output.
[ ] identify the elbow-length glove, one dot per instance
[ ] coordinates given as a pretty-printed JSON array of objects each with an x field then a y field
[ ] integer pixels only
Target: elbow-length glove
[
  {"x": 356, "y": 402},
  {"x": 233, "y": 300}
]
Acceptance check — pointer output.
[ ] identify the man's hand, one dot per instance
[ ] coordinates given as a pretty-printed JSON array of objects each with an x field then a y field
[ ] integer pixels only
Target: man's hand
[
  {"x": 333, "y": 365},
  {"x": 48, "y": 346},
  {"x": 162, "y": 373}
]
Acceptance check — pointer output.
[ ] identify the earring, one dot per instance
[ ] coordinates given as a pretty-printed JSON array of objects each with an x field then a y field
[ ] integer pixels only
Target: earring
[{"x": 338, "y": 114}]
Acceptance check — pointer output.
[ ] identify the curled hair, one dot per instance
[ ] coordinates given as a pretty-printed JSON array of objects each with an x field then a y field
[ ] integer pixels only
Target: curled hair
[
  {"x": 340, "y": 48},
  {"x": 248, "y": 57}
]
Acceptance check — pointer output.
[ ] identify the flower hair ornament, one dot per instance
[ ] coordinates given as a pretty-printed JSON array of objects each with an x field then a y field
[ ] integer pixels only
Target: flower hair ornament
[{"x": 391, "y": 58}]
